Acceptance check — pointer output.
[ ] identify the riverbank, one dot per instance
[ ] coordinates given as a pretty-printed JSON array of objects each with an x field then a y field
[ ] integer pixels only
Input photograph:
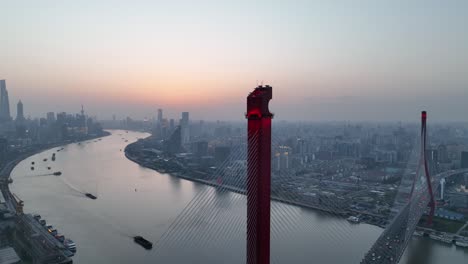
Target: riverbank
[
  {"x": 100, "y": 227},
  {"x": 8, "y": 168},
  {"x": 145, "y": 161},
  {"x": 23, "y": 225},
  {"x": 342, "y": 213}
]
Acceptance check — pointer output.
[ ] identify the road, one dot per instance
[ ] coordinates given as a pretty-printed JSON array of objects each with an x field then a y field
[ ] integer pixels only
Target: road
[
  {"x": 462, "y": 228},
  {"x": 391, "y": 245}
]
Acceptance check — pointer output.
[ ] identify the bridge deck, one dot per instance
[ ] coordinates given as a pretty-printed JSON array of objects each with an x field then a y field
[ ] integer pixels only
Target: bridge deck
[{"x": 391, "y": 244}]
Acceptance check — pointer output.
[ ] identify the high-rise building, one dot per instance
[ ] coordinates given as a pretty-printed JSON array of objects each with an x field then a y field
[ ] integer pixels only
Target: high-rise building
[
  {"x": 4, "y": 102},
  {"x": 200, "y": 148},
  {"x": 432, "y": 155},
  {"x": 185, "y": 117},
  {"x": 160, "y": 116},
  {"x": 443, "y": 155},
  {"x": 281, "y": 158},
  {"x": 50, "y": 117},
  {"x": 464, "y": 160},
  {"x": 171, "y": 125},
  {"x": 221, "y": 154},
  {"x": 184, "y": 125},
  {"x": 442, "y": 188},
  {"x": 19, "y": 112},
  {"x": 42, "y": 122},
  {"x": 160, "y": 130},
  {"x": 83, "y": 121},
  {"x": 173, "y": 144},
  {"x": 62, "y": 118}
]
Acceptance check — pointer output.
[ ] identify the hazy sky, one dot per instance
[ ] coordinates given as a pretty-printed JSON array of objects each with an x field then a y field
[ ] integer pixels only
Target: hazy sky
[{"x": 326, "y": 60}]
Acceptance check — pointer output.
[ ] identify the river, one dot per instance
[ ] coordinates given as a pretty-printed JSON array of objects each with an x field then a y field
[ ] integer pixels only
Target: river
[{"x": 133, "y": 200}]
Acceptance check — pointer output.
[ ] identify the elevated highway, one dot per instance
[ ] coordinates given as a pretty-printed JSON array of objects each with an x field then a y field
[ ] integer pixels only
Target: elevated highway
[{"x": 391, "y": 244}]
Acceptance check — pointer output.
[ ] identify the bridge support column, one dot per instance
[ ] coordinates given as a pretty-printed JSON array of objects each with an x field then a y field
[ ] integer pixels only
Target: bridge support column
[
  {"x": 259, "y": 175},
  {"x": 426, "y": 167}
]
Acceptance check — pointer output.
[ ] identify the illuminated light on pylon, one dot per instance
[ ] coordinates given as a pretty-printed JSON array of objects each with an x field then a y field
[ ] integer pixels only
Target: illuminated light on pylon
[{"x": 259, "y": 175}]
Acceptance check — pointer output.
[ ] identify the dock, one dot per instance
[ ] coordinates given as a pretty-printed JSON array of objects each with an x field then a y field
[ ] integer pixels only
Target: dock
[
  {"x": 30, "y": 238},
  {"x": 41, "y": 246}
]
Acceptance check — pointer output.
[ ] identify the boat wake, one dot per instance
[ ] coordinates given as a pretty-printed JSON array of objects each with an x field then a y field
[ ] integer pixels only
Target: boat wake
[
  {"x": 72, "y": 187},
  {"x": 118, "y": 229},
  {"x": 58, "y": 173}
]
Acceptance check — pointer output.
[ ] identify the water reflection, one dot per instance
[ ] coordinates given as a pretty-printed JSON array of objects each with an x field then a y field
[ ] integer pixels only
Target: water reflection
[
  {"x": 175, "y": 183},
  {"x": 415, "y": 250}
]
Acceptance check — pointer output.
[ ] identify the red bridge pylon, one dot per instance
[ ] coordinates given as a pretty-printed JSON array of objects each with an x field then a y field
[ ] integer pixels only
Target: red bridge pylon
[
  {"x": 423, "y": 162},
  {"x": 259, "y": 175}
]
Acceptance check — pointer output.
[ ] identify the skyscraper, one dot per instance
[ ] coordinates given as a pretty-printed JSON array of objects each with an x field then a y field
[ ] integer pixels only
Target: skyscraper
[
  {"x": 185, "y": 117},
  {"x": 4, "y": 102},
  {"x": 83, "y": 121},
  {"x": 173, "y": 144},
  {"x": 184, "y": 125},
  {"x": 442, "y": 188},
  {"x": 171, "y": 125},
  {"x": 19, "y": 112},
  {"x": 50, "y": 117},
  {"x": 62, "y": 118},
  {"x": 160, "y": 116}
]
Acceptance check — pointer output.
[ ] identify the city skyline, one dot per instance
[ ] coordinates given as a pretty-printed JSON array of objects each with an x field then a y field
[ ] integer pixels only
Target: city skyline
[
  {"x": 381, "y": 61},
  {"x": 154, "y": 113}
]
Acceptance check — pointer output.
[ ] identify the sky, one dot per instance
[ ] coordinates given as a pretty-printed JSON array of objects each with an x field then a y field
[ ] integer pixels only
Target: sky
[{"x": 326, "y": 60}]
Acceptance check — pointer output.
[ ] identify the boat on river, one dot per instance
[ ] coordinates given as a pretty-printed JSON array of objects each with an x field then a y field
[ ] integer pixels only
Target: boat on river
[
  {"x": 442, "y": 238},
  {"x": 462, "y": 243},
  {"x": 353, "y": 219},
  {"x": 91, "y": 196},
  {"x": 143, "y": 242},
  {"x": 70, "y": 245}
]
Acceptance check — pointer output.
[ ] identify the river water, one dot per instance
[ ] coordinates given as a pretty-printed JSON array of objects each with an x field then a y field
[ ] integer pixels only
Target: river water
[{"x": 133, "y": 200}]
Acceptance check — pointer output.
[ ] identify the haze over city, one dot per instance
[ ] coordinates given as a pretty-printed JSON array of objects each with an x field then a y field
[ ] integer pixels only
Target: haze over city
[
  {"x": 215, "y": 131},
  {"x": 381, "y": 60}
]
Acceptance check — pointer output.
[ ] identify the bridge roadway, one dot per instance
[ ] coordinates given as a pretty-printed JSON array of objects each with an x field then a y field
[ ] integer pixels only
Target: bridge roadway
[
  {"x": 390, "y": 246},
  {"x": 462, "y": 228}
]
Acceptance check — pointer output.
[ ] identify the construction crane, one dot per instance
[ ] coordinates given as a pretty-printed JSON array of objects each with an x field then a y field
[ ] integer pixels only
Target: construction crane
[{"x": 19, "y": 204}]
